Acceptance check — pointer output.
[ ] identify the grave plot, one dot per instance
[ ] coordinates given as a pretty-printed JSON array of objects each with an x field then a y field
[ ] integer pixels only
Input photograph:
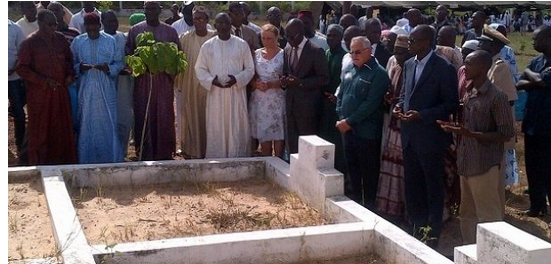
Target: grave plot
[
  {"x": 30, "y": 234},
  {"x": 241, "y": 191},
  {"x": 113, "y": 215}
]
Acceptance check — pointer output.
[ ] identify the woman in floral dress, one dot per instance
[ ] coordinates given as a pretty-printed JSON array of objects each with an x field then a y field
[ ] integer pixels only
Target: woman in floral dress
[{"x": 267, "y": 102}]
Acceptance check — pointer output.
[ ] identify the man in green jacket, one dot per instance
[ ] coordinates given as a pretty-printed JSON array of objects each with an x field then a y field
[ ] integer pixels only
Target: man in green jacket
[{"x": 360, "y": 111}]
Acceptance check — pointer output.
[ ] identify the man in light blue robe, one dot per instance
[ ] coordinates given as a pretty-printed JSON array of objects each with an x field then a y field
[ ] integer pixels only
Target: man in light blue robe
[{"x": 98, "y": 61}]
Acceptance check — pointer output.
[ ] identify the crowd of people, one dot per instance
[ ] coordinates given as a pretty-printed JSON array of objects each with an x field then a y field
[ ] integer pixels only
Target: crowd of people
[{"x": 419, "y": 123}]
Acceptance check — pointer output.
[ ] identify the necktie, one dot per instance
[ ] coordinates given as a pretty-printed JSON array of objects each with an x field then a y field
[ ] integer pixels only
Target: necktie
[
  {"x": 238, "y": 32},
  {"x": 294, "y": 66}
]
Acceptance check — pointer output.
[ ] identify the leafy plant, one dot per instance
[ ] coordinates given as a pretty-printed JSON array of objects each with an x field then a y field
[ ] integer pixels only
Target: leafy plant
[
  {"x": 104, "y": 5},
  {"x": 152, "y": 57},
  {"x": 425, "y": 234}
]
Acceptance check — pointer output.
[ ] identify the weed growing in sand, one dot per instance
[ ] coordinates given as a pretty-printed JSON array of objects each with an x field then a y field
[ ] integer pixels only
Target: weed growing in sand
[
  {"x": 425, "y": 234},
  {"x": 103, "y": 234},
  {"x": 100, "y": 191},
  {"x": 20, "y": 251},
  {"x": 81, "y": 195},
  {"x": 13, "y": 225}
]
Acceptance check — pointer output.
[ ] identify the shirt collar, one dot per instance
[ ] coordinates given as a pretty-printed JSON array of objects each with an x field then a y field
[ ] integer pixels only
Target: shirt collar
[
  {"x": 425, "y": 59},
  {"x": 484, "y": 88},
  {"x": 302, "y": 43},
  {"x": 370, "y": 64},
  {"x": 83, "y": 12},
  {"x": 374, "y": 47}
]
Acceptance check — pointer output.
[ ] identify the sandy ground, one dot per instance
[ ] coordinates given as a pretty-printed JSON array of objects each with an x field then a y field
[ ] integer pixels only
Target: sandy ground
[
  {"x": 29, "y": 226},
  {"x": 134, "y": 215},
  {"x": 141, "y": 213}
]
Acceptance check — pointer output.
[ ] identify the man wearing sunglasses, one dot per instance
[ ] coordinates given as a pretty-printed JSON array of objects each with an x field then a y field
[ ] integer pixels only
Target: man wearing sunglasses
[{"x": 360, "y": 112}]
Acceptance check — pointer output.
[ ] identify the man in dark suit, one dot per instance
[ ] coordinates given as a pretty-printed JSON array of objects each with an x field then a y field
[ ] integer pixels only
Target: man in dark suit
[
  {"x": 429, "y": 93},
  {"x": 305, "y": 71},
  {"x": 237, "y": 15},
  {"x": 372, "y": 30}
]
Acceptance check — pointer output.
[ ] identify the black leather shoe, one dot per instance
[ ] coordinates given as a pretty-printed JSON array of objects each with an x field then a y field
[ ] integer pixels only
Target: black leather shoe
[{"x": 535, "y": 213}]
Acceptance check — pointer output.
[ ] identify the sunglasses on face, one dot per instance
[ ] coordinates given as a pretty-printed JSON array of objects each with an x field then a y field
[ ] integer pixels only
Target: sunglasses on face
[{"x": 357, "y": 52}]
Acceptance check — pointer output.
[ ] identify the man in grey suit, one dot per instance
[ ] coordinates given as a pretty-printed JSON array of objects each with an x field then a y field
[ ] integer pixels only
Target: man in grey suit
[
  {"x": 429, "y": 93},
  {"x": 237, "y": 15},
  {"x": 305, "y": 71}
]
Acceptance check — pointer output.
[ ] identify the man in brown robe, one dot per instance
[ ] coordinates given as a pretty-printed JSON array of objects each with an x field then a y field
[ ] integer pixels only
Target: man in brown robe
[{"x": 46, "y": 65}]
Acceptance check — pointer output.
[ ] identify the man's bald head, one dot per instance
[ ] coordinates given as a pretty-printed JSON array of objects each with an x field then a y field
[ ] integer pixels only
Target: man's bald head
[
  {"x": 441, "y": 13},
  {"x": 246, "y": 8},
  {"x": 446, "y": 36},
  {"x": 274, "y": 16},
  {"x": 348, "y": 20},
  {"x": 372, "y": 30},
  {"x": 483, "y": 58},
  {"x": 57, "y": 9},
  {"x": 294, "y": 32},
  {"x": 541, "y": 40},
  {"x": 421, "y": 40},
  {"x": 415, "y": 17},
  {"x": 349, "y": 34},
  {"x": 222, "y": 17},
  {"x": 222, "y": 23},
  {"x": 477, "y": 64},
  {"x": 44, "y": 15}
]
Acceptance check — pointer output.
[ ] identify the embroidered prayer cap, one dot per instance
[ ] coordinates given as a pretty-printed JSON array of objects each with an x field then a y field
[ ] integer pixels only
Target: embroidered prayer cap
[
  {"x": 91, "y": 19},
  {"x": 398, "y": 30},
  {"x": 200, "y": 9},
  {"x": 401, "y": 41},
  {"x": 305, "y": 14}
]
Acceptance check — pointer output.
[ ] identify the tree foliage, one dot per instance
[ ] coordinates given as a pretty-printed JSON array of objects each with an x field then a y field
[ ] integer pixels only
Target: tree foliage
[
  {"x": 153, "y": 57},
  {"x": 104, "y": 5}
]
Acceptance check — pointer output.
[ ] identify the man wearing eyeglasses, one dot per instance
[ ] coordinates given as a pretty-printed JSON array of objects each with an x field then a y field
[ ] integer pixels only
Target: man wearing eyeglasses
[
  {"x": 429, "y": 93},
  {"x": 360, "y": 112}
]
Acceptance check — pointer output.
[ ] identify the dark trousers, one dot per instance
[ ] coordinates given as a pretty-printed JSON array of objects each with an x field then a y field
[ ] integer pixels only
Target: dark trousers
[
  {"x": 17, "y": 97},
  {"x": 538, "y": 169},
  {"x": 299, "y": 126},
  {"x": 363, "y": 162},
  {"x": 424, "y": 190}
]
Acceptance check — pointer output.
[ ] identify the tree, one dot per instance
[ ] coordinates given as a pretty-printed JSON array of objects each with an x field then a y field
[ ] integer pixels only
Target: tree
[{"x": 152, "y": 57}]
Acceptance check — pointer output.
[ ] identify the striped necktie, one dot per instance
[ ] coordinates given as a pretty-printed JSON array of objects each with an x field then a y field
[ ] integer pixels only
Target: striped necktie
[{"x": 294, "y": 66}]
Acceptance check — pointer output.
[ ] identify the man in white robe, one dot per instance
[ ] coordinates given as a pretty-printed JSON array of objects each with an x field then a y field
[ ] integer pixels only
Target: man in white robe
[{"x": 224, "y": 67}]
